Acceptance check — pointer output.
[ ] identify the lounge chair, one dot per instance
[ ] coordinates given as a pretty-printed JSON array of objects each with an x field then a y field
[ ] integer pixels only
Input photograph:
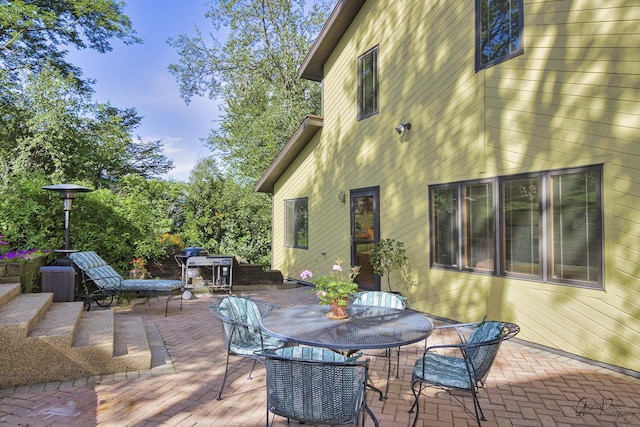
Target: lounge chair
[{"x": 102, "y": 283}]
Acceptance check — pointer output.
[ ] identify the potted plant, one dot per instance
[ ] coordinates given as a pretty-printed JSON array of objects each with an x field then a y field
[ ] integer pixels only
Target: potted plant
[
  {"x": 335, "y": 288},
  {"x": 386, "y": 256}
]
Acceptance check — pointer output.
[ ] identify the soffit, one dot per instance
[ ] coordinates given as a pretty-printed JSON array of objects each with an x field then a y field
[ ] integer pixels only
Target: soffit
[{"x": 301, "y": 137}]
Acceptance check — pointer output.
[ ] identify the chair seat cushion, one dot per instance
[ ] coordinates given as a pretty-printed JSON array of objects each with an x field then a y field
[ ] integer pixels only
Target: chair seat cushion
[
  {"x": 251, "y": 344},
  {"x": 314, "y": 353},
  {"x": 442, "y": 370}
]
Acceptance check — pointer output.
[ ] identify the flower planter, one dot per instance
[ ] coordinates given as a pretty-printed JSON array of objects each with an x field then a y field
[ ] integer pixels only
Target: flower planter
[
  {"x": 26, "y": 272},
  {"x": 338, "y": 309}
]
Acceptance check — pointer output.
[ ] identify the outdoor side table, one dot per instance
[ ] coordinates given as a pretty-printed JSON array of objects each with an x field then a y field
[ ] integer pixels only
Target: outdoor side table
[{"x": 60, "y": 280}]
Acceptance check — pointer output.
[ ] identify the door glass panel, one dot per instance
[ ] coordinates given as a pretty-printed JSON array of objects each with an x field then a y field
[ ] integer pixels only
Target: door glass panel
[{"x": 364, "y": 229}]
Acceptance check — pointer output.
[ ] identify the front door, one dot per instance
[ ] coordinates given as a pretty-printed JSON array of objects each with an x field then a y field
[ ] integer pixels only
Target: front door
[{"x": 365, "y": 232}]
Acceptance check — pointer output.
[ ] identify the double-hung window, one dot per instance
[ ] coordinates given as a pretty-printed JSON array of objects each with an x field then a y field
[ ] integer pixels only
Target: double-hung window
[
  {"x": 542, "y": 226},
  {"x": 499, "y": 26},
  {"x": 368, "y": 84},
  {"x": 296, "y": 218}
]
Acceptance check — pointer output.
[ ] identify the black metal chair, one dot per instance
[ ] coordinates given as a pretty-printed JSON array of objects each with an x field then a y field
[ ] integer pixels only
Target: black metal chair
[
  {"x": 384, "y": 299},
  {"x": 465, "y": 366},
  {"x": 316, "y": 386},
  {"x": 243, "y": 336}
]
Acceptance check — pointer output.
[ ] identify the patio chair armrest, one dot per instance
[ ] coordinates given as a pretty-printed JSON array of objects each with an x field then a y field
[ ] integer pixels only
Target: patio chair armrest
[
  {"x": 459, "y": 346},
  {"x": 463, "y": 329}
]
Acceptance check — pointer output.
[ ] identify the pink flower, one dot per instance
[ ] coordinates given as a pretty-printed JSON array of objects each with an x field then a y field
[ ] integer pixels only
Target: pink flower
[
  {"x": 337, "y": 267},
  {"x": 306, "y": 274}
]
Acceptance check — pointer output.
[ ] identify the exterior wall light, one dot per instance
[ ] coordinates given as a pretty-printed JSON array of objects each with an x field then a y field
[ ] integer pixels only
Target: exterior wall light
[{"x": 403, "y": 127}]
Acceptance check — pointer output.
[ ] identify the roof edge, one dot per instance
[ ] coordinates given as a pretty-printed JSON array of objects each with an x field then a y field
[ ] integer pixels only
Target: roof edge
[
  {"x": 339, "y": 20},
  {"x": 300, "y": 138}
]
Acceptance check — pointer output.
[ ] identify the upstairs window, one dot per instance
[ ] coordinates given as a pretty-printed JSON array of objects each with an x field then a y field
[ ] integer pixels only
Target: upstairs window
[
  {"x": 368, "y": 84},
  {"x": 296, "y": 219},
  {"x": 499, "y": 26}
]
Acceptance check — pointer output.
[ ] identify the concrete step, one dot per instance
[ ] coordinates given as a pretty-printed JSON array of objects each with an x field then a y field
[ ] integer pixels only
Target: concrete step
[
  {"x": 60, "y": 323},
  {"x": 8, "y": 291},
  {"x": 42, "y": 341},
  {"x": 19, "y": 317},
  {"x": 131, "y": 350},
  {"x": 95, "y": 330}
]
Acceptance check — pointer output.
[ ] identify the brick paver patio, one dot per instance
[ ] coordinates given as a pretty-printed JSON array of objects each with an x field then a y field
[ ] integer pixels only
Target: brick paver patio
[{"x": 526, "y": 387}]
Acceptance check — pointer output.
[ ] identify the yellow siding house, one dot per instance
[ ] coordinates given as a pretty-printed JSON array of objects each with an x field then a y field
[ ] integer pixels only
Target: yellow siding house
[{"x": 499, "y": 141}]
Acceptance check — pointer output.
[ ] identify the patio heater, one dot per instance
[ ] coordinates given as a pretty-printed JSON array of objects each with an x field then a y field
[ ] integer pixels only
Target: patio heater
[{"x": 67, "y": 192}]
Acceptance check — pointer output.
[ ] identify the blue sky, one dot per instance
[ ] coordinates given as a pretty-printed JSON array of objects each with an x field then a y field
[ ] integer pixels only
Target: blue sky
[{"x": 137, "y": 76}]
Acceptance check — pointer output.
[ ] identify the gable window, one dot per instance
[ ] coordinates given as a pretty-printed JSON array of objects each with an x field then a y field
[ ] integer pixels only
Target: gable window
[
  {"x": 499, "y": 26},
  {"x": 368, "y": 84},
  {"x": 296, "y": 216},
  {"x": 544, "y": 226}
]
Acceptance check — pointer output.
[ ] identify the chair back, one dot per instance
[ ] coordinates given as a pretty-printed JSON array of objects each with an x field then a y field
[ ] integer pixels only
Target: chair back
[
  {"x": 380, "y": 299},
  {"x": 315, "y": 391},
  {"x": 241, "y": 321},
  {"x": 483, "y": 344},
  {"x": 95, "y": 269}
]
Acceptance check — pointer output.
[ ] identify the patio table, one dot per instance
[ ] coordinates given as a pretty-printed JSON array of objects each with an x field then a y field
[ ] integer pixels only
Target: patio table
[{"x": 367, "y": 327}]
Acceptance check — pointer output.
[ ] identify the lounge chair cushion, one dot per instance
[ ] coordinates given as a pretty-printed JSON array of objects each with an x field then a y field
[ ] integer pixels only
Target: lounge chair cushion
[{"x": 107, "y": 278}]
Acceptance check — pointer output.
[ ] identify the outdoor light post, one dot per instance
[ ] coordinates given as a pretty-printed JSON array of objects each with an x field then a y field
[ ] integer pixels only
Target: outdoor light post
[{"x": 67, "y": 192}]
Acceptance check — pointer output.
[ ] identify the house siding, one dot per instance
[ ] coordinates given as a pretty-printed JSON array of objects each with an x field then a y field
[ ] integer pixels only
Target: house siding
[{"x": 571, "y": 99}]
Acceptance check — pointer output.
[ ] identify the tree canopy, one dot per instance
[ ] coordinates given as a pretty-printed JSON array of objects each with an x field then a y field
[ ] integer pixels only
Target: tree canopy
[
  {"x": 35, "y": 32},
  {"x": 48, "y": 122},
  {"x": 51, "y": 131},
  {"x": 255, "y": 73}
]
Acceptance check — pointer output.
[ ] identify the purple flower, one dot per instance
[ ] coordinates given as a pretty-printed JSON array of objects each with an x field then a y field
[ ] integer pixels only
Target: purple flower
[{"x": 306, "y": 274}]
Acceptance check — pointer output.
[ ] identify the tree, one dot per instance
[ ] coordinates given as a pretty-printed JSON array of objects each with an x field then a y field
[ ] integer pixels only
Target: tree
[
  {"x": 33, "y": 32},
  {"x": 50, "y": 125},
  {"x": 226, "y": 216},
  {"x": 255, "y": 73}
]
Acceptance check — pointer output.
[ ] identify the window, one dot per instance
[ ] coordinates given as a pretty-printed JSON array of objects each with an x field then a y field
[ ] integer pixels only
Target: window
[
  {"x": 521, "y": 208},
  {"x": 544, "y": 226},
  {"x": 368, "y": 84},
  {"x": 575, "y": 226},
  {"x": 499, "y": 26},
  {"x": 444, "y": 220},
  {"x": 479, "y": 229},
  {"x": 296, "y": 216}
]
